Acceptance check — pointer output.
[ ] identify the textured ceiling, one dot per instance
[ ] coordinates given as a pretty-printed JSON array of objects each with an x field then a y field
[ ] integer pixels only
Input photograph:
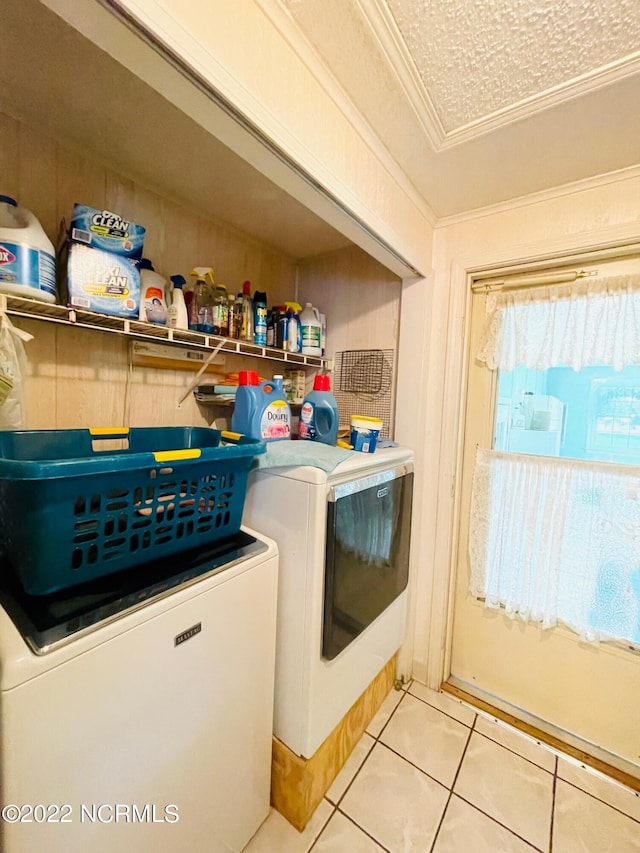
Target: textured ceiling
[
  {"x": 481, "y": 102},
  {"x": 475, "y": 58}
]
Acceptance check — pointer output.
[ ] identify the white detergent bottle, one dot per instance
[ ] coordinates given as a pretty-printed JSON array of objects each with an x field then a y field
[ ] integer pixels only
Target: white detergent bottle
[
  {"x": 153, "y": 294},
  {"x": 27, "y": 256},
  {"x": 311, "y": 330}
]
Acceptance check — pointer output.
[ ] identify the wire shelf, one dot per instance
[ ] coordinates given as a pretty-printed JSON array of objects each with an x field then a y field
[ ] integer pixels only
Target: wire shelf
[{"x": 33, "y": 309}]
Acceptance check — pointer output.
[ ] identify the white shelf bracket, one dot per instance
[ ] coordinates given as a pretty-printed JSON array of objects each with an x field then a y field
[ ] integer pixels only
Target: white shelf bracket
[{"x": 193, "y": 384}]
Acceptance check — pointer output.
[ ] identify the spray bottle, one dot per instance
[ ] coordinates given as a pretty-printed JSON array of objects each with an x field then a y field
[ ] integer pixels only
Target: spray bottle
[
  {"x": 177, "y": 312},
  {"x": 292, "y": 338},
  {"x": 197, "y": 315}
]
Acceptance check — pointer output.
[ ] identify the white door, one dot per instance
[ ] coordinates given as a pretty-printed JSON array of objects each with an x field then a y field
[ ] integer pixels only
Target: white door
[{"x": 586, "y": 694}]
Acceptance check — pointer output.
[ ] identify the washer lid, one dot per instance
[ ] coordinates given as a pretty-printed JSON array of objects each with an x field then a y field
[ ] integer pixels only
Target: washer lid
[{"x": 47, "y": 622}]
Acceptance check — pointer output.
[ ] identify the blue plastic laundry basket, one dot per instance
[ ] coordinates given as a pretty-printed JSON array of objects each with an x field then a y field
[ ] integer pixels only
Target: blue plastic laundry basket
[{"x": 73, "y": 508}]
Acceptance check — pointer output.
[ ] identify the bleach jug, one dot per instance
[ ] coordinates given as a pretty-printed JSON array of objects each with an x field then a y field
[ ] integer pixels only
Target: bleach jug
[
  {"x": 153, "y": 294},
  {"x": 27, "y": 256},
  {"x": 311, "y": 331},
  {"x": 319, "y": 413},
  {"x": 261, "y": 409}
]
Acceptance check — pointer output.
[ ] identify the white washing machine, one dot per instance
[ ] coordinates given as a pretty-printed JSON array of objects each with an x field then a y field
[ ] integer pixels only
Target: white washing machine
[
  {"x": 136, "y": 711},
  {"x": 343, "y": 539}
]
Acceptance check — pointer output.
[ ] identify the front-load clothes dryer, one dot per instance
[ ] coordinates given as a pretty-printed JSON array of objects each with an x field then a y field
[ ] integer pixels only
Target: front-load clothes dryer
[
  {"x": 343, "y": 539},
  {"x": 136, "y": 711}
]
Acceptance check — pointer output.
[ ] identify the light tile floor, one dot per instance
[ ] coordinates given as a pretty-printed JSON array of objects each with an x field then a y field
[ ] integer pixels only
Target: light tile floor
[{"x": 432, "y": 775}]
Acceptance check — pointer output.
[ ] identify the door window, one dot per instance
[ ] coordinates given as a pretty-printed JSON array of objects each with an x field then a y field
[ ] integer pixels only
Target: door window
[{"x": 593, "y": 413}]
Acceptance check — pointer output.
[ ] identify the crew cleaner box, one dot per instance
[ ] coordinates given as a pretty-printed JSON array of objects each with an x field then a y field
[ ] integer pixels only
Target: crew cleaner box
[{"x": 102, "y": 265}]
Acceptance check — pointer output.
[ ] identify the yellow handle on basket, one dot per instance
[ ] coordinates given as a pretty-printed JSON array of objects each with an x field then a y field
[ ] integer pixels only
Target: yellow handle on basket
[
  {"x": 109, "y": 431},
  {"x": 231, "y": 436},
  {"x": 176, "y": 455}
]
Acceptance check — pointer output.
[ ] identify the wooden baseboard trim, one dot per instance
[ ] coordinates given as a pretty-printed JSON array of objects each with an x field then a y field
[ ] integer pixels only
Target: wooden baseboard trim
[
  {"x": 554, "y": 742},
  {"x": 299, "y": 784}
]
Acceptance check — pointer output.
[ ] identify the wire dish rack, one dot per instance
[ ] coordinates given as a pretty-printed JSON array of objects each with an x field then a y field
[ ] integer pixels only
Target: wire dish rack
[{"x": 363, "y": 385}]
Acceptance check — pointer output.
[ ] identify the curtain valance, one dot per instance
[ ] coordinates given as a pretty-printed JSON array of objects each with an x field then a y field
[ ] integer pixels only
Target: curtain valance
[{"x": 589, "y": 321}]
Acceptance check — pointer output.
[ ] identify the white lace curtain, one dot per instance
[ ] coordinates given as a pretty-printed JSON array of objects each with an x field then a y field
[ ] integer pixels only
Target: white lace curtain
[
  {"x": 589, "y": 321},
  {"x": 558, "y": 540}
]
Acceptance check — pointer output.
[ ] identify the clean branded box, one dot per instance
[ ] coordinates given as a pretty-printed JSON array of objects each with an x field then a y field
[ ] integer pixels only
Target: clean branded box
[
  {"x": 102, "y": 229},
  {"x": 102, "y": 255},
  {"x": 103, "y": 282}
]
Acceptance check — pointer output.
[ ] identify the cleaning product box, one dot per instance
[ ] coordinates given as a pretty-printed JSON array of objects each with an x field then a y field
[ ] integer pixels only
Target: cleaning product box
[
  {"x": 103, "y": 282},
  {"x": 102, "y": 272},
  {"x": 295, "y": 384}
]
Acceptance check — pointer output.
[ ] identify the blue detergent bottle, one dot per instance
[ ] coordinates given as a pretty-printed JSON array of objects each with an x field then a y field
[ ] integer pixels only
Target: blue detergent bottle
[
  {"x": 319, "y": 413},
  {"x": 261, "y": 409}
]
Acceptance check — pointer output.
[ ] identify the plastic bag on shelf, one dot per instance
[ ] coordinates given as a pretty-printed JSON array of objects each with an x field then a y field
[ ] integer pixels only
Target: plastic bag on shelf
[{"x": 13, "y": 365}]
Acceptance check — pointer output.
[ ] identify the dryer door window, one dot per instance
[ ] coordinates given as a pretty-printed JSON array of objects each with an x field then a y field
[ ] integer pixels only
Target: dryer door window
[{"x": 367, "y": 553}]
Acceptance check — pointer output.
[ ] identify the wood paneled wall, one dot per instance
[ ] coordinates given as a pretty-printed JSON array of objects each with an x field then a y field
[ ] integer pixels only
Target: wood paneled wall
[
  {"x": 80, "y": 377},
  {"x": 361, "y": 299}
]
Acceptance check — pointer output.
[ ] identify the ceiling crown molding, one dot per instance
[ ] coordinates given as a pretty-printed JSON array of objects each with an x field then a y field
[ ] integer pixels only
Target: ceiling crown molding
[
  {"x": 377, "y": 15},
  {"x": 284, "y": 22},
  {"x": 589, "y": 82},
  {"x": 570, "y": 189}
]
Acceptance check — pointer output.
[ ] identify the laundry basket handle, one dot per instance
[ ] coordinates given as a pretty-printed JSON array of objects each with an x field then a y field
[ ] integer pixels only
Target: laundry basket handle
[
  {"x": 109, "y": 432},
  {"x": 106, "y": 439}
]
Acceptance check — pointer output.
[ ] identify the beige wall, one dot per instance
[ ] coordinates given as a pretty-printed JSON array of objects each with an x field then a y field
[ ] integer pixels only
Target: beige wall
[
  {"x": 252, "y": 59},
  {"x": 362, "y": 301},
  {"x": 360, "y": 296}
]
